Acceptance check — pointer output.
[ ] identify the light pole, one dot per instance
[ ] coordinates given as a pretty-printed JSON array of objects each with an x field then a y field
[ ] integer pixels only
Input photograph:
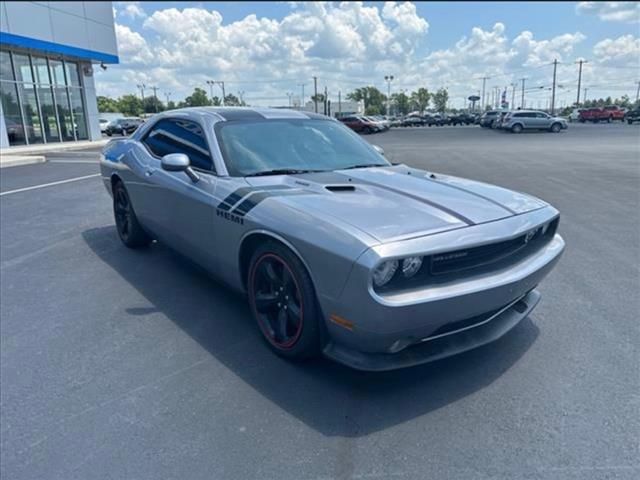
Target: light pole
[
  {"x": 211, "y": 83},
  {"x": 388, "y": 79},
  {"x": 241, "y": 95},
  {"x": 167, "y": 95},
  {"x": 289, "y": 95}
]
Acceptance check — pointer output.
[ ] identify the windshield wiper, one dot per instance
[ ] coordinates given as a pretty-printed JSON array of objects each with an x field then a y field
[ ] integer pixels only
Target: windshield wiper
[
  {"x": 364, "y": 165},
  {"x": 281, "y": 171}
]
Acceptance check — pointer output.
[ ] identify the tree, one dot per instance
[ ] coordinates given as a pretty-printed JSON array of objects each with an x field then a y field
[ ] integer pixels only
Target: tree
[
  {"x": 106, "y": 104},
  {"x": 171, "y": 105},
  {"x": 197, "y": 99},
  {"x": 152, "y": 105},
  {"x": 420, "y": 99},
  {"x": 401, "y": 101},
  {"x": 319, "y": 98},
  {"x": 130, "y": 105},
  {"x": 231, "y": 100},
  {"x": 440, "y": 99},
  {"x": 373, "y": 98}
]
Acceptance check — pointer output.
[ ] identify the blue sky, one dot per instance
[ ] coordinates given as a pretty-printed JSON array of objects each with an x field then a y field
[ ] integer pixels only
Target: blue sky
[{"x": 277, "y": 45}]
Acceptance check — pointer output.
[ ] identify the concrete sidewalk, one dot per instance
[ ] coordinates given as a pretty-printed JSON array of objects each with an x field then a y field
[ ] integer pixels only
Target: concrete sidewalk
[{"x": 29, "y": 154}]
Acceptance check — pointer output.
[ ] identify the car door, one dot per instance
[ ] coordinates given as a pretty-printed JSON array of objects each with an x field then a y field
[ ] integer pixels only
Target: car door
[
  {"x": 543, "y": 121},
  {"x": 181, "y": 209}
]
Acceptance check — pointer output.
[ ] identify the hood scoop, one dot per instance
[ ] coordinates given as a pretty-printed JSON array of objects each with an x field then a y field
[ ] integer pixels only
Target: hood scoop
[{"x": 340, "y": 188}]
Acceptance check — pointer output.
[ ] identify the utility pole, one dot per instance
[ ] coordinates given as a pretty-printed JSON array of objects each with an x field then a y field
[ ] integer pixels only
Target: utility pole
[
  {"x": 584, "y": 97},
  {"x": 301, "y": 85},
  {"x": 484, "y": 81},
  {"x": 325, "y": 100},
  {"x": 289, "y": 95},
  {"x": 241, "y": 96},
  {"x": 580, "y": 62},
  {"x": 155, "y": 98},
  {"x": 388, "y": 79},
  {"x": 522, "y": 99},
  {"x": 339, "y": 103},
  {"x": 167, "y": 95},
  {"x": 513, "y": 95},
  {"x": 553, "y": 91},
  {"x": 638, "y": 93},
  {"x": 142, "y": 86},
  {"x": 315, "y": 94}
]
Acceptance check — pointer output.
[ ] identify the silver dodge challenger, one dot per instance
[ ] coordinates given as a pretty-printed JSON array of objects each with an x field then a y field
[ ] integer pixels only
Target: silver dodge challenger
[{"x": 340, "y": 252}]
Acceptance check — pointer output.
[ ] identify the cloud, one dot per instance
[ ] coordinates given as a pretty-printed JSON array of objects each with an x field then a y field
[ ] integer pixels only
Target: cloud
[
  {"x": 622, "y": 50},
  {"x": 131, "y": 10},
  {"x": 345, "y": 45},
  {"x": 627, "y": 12}
]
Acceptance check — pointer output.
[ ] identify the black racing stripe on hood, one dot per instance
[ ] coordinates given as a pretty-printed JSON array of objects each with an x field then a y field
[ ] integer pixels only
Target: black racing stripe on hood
[
  {"x": 252, "y": 200},
  {"x": 453, "y": 213},
  {"x": 462, "y": 189},
  {"x": 238, "y": 194}
]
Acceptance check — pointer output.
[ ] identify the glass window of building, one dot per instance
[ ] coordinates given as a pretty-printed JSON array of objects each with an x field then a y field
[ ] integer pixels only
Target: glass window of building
[
  {"x": 57, "y": 72},
  {"x": 49, "y": 120},
  {"x": 31, "y": 115},
  {"x": 11, "y": 112},
  {"x": 73, "y": 78},
  {"x": 6, "y": 72},
  {"x": 22, "y": 68},
  {"x": 42, "y": 99},
  {"x": 79, "y": 116},
  {"x": 64, "y": 114},
  {"x": 41, "y": 70}
]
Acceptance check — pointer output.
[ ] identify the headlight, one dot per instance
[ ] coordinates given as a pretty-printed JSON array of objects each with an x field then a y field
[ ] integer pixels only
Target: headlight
[
  {"x": 410, "y": 266},
  {"x": 384, "y": 272}
]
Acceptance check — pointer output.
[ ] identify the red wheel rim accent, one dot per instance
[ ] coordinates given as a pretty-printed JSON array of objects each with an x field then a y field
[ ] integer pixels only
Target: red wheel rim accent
[{"x": 276, "y": 300}]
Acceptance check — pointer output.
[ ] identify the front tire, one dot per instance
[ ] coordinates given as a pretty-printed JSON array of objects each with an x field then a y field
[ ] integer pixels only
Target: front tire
[
  {"x": 283, "y": 302},
  {"x": 129, "y": 229},
  {"x": 556, "y": 127}
]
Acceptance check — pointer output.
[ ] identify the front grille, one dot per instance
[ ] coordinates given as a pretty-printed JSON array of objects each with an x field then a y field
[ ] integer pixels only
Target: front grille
[
  {"x": 442, "y": 267},
  {"x": 465, "y": 259}
]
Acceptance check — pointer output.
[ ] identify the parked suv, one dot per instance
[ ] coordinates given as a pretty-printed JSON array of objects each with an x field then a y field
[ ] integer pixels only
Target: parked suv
[
  {"x": 487, "y": 118},
  {"x": 632, "y": 116},
  {"x": 521, "y": 120}
]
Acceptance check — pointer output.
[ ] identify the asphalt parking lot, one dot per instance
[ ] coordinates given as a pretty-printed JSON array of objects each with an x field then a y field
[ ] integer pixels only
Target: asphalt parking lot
[{"x": 120, "y": 364}]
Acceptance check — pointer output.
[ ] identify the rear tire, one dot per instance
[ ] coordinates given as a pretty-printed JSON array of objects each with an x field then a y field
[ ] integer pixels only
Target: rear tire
[
  {"x": 517, "y": 128},
  {"x": 129, "y": 229},
  {"x": 283, "y": 302}
]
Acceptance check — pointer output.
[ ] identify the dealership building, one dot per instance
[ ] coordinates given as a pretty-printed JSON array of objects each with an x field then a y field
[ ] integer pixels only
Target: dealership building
[{"x": 49, "y": 52}]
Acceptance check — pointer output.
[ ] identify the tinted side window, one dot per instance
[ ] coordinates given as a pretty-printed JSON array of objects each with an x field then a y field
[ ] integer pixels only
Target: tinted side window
[
  {"x": 541, "y": 115},
  {"x": 180, "y": 136}
]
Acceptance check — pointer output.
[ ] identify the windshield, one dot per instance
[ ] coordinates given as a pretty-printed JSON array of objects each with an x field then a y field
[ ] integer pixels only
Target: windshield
[{"x": 250, "y": 148}]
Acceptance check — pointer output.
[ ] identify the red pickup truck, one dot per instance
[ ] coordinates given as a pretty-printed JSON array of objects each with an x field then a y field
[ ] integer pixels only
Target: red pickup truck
[{"x": 606, "y": 114}]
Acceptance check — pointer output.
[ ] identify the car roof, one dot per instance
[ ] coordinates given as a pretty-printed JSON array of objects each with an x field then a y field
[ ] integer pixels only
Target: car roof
[{"x": 248, "y": 114}]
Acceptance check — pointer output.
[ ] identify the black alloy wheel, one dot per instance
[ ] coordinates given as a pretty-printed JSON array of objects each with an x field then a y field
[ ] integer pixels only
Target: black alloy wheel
[
  {"x": 129, "y": 230},
  {"x": 283, "y": 302}
]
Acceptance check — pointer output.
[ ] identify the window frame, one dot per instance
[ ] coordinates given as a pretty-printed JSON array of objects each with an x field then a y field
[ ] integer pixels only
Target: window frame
[{"x": 150, "y": 129}]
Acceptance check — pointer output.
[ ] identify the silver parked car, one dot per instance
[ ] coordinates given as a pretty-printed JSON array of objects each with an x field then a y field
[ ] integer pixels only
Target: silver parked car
[
  {"x": 520, "y": 120},
  {"x": 375, "y": 265}
]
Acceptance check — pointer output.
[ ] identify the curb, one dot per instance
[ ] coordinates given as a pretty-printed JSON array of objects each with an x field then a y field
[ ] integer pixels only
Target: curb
[{"x": 17, "y": 160}]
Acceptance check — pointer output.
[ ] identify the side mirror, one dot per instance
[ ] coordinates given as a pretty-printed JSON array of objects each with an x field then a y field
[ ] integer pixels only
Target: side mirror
[
  {"x": 178, "y": 162},
  {"x": 378, "y": 149}
]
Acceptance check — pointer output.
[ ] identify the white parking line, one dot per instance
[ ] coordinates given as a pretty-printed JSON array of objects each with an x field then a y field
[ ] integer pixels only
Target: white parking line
[{"x": 44, "y": 185}]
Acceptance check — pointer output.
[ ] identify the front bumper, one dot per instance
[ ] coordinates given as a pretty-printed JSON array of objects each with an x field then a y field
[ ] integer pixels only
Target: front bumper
[
  {"x": 380, "y": 328},
  {"x": 436, "y": 347}
]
